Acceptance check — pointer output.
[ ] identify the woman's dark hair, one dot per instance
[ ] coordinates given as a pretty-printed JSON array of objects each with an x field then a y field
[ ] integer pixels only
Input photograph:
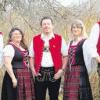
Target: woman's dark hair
[
  {"x": 46, "y": 17},
  {"x": 22, "y": 41}
]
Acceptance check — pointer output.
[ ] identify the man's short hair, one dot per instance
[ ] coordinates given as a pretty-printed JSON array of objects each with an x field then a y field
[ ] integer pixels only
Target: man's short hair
[{"x": 46, "y": 17}]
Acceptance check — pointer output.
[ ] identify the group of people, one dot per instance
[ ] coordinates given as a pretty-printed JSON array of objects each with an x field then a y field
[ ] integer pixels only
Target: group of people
[{"x": 31, "y": 71}]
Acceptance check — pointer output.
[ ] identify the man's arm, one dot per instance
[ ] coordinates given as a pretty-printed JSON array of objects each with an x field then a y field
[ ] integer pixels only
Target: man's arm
[{"x": 64, "y": 51}]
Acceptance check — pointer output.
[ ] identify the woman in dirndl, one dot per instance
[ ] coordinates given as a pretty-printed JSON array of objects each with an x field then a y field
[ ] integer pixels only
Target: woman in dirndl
[
  {"x": 18, "y": 82},
  {"x": 76, "y": 79}
]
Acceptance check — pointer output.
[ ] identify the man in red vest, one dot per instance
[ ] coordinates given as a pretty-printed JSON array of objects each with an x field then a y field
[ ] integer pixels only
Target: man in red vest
[{"x": 47, "y": 60}]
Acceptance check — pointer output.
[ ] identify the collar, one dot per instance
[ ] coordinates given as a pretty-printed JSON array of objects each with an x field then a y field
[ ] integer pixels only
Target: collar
[{"x": 47, "y": 37}]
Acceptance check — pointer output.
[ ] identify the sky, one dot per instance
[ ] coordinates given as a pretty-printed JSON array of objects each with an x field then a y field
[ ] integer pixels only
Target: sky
[{"x": 70, "y": 2}]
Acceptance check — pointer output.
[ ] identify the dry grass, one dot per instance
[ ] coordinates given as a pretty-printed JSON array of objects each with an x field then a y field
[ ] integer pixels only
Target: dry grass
[{"x": 94, "y": 79}]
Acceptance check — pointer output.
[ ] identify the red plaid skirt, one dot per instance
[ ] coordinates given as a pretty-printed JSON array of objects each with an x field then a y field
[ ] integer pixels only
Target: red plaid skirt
[
  {"x": 25, "y": 84},
  {"x": 71, "y": 83}
]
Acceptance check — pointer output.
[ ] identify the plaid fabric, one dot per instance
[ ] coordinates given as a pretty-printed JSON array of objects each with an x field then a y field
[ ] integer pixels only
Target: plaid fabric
[
  {"x": 72, "y": 77},
  {"x": 71, "y": 84},
  {"x": 25, "y": 84},
  {"x": 76, "y": 82}
]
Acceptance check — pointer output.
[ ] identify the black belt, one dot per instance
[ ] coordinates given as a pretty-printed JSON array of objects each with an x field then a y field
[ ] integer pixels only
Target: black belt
[{"x": 47, "y": 74}]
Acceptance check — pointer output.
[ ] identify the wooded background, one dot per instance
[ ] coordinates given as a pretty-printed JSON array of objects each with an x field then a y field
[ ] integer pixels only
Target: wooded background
[{"x": 26, "y": 14}]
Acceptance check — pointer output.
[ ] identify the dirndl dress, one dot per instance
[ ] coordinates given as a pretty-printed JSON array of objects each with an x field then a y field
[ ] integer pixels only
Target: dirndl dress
[{"x": 76, "y": 80}]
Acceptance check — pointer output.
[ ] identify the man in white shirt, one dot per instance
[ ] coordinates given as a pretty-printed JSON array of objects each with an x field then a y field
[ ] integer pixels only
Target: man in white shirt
[{"x": 47, "y": 60}]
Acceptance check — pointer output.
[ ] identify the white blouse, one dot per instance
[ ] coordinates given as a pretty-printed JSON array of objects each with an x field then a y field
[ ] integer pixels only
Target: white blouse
[
  {"x": 9, "y": 51},
  {"x": 90, "y": 49}
]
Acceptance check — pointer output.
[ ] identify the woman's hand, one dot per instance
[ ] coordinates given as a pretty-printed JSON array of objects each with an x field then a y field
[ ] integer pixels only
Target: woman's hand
[
  {"x": 35, "y": 74},
  {"x": 14, "y": 81}
]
